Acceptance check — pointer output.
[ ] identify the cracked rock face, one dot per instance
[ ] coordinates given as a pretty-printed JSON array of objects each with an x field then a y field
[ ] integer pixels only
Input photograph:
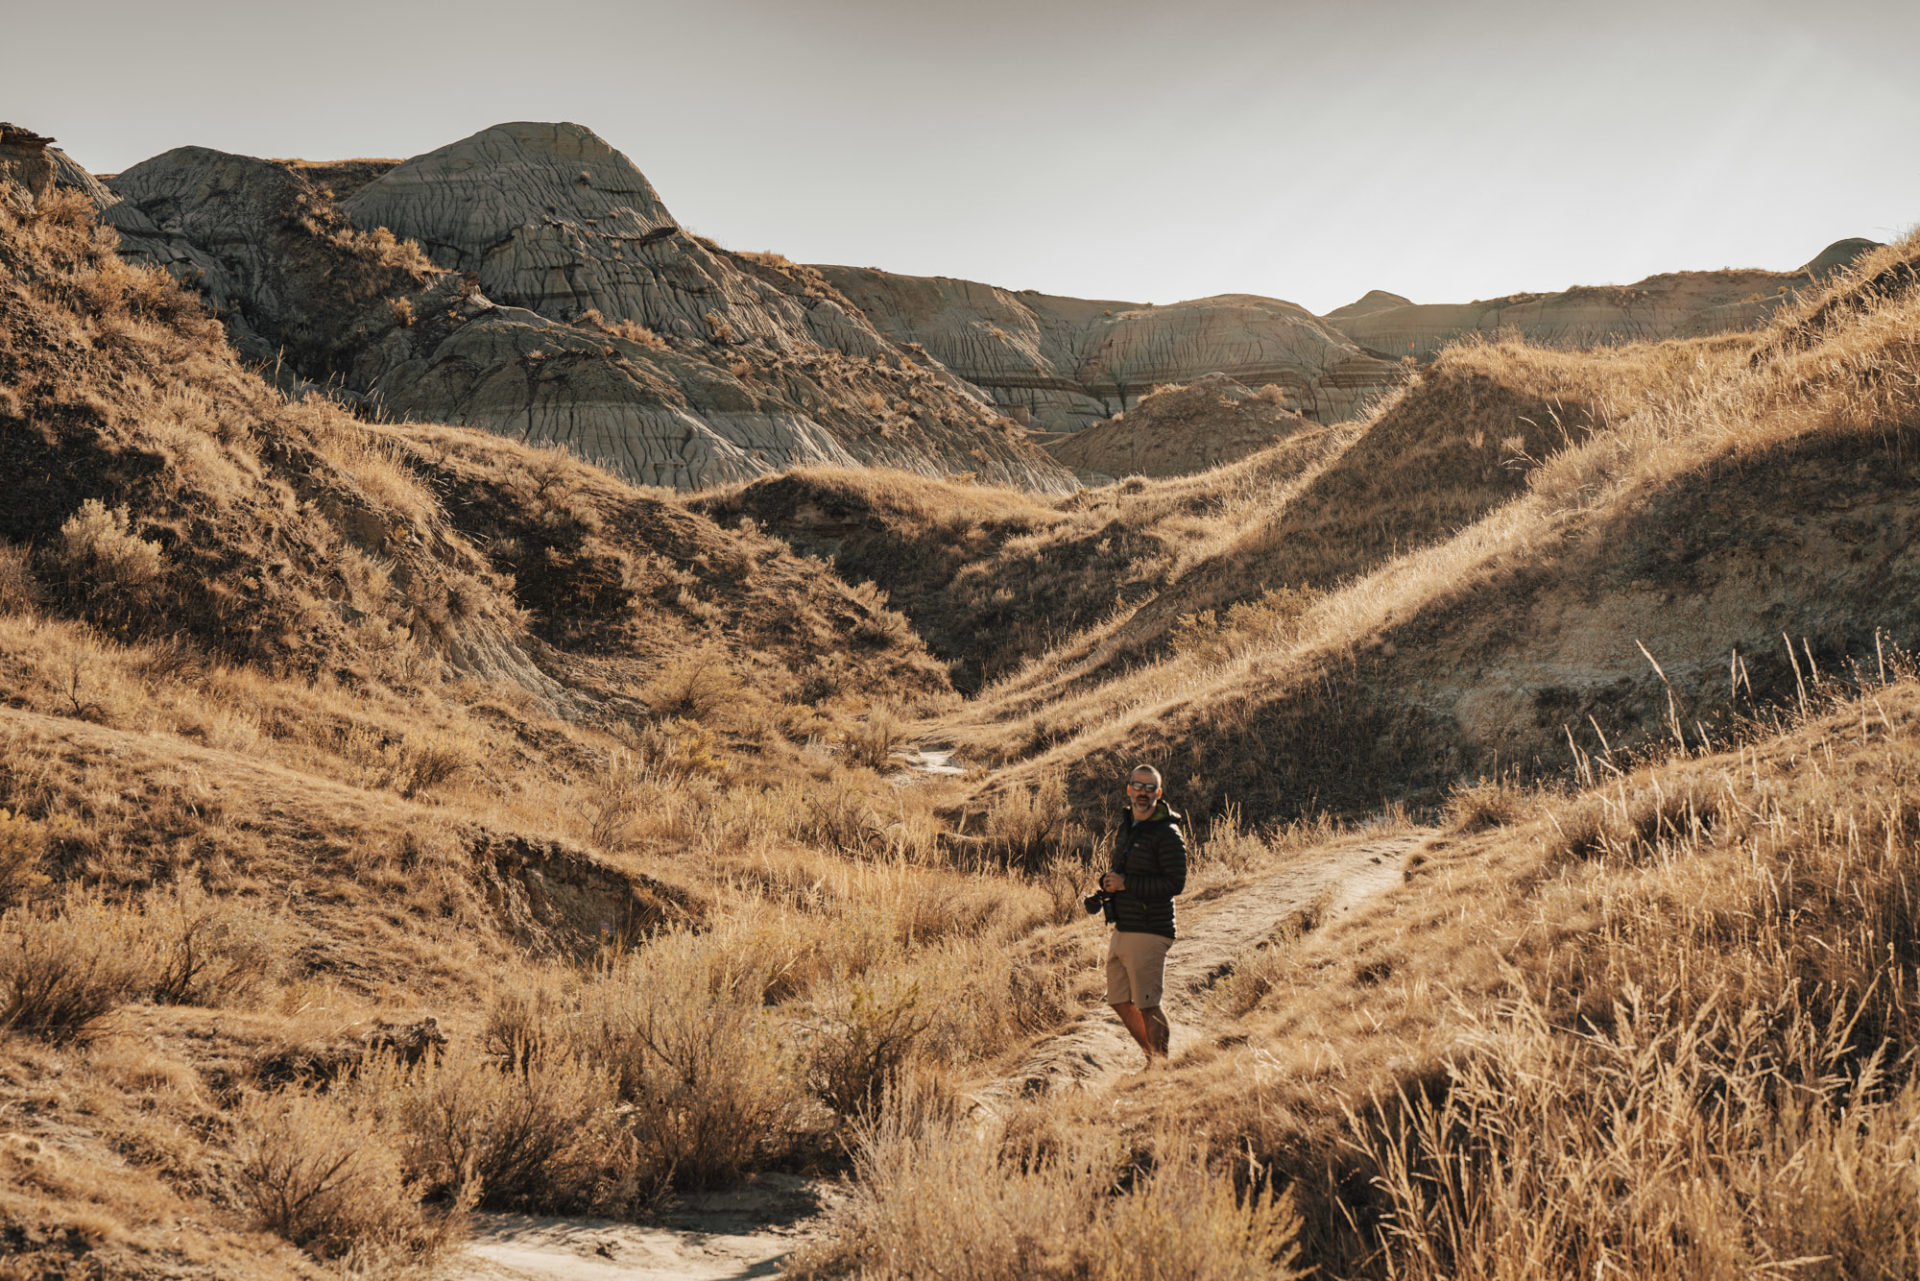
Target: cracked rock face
[
  {"x": 1070, "y": 362},
  {"x": 275, "y": 261}
]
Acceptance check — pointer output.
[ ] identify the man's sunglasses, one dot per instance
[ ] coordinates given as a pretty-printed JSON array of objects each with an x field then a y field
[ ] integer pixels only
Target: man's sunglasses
[{"x": 1141, "y": 787}]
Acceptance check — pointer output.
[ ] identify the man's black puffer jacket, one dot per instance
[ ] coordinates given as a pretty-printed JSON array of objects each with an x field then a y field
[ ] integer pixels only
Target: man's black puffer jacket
[{"x": 1152, "y": 855}]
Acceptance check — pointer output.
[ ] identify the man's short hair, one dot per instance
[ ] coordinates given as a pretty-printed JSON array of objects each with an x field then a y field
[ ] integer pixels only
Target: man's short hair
[{"x": 1148, "y": 769}]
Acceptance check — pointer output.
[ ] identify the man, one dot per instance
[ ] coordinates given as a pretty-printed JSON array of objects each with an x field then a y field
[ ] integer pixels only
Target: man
[{"x": 1149, "y": 868}]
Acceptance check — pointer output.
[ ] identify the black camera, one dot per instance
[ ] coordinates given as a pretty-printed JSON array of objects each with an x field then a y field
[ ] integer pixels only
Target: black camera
[{"x": 1100, "y": 901}]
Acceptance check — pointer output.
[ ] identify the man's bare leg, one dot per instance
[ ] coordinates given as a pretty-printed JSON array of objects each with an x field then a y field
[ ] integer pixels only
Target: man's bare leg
[
  {"x": 1136, "y": 1022},
  {"x": 1161, "y": 1035}
]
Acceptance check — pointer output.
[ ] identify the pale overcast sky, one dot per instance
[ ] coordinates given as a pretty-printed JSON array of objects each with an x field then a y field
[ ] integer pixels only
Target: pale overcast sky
[{"x": 1098, "y": 148}]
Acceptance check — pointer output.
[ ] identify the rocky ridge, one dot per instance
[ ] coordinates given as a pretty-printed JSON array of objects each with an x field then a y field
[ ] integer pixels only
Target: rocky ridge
[
  {"x": 1684, "y": 304},
  {"x": 554, "y": 308},
  {"x": 1065, "y": 363}
]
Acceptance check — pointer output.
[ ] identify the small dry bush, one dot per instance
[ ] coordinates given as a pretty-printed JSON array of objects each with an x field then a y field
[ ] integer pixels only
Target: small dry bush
[
  {"x": 936, "y": 1197},
  {"x": 114, "y": 570},
  {"x": 23, "y": 842},
  {"x": 695, "y": 687},
  {"x": 1229, "y": 847},
  {"x": 535, "y": 1131},
  {"x": 683, "y": 1029},
  {"x": 64, "y": 970},
  {"x": 19, "y": 591},
  {"x": 862, "y": 1042},
  {"x": 1485, "y": 803},
  {"x": 1249, "y": 625},
  {"x": 1029, "y": 829},
  {"x": 413, "y": 764},
  {"x": 208, "y": 950},
  {"x": 325, "y": 1177},
  {"x": 872, "y": 742}
]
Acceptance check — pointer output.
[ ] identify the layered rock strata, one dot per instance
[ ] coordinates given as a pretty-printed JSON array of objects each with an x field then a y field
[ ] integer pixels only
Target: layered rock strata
[
  {"x": 24, "y": 159},
  {"x": 1066, "y": 363},
  {"x": 556, "y": 301}
]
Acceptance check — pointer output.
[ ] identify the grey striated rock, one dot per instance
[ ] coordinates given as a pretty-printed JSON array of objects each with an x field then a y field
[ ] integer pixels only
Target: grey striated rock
[
  {"x": 623, "y": 337},
  {"x": 618, "y": 402},
  {"x": 551, "y": 218},
  {"x": 1069, "y": 362},
  {"x": 69, "y": 176},
  {"x": 289, "y": 275}
]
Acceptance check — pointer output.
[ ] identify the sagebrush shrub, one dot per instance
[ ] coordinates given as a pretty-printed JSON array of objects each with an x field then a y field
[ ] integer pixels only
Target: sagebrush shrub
[
  {"x": 111, "y": 571},
  {"x": 324, "y": 1177},
  {"x": 19, "y": 591},
  {"x": 534, "y": 1131},
  {"x": 683, "y": 1027},
  {"x": 64, "y": 970}
]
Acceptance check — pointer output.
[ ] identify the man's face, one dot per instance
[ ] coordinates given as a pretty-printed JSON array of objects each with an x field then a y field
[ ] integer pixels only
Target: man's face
[{"x": 1142, "y": 794}]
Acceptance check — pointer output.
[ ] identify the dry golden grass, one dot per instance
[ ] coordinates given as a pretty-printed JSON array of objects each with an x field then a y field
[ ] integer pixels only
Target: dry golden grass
[{"x": 314, "y": 729}]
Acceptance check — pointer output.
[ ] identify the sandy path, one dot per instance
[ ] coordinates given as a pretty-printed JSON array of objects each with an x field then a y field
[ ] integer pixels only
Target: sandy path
[
  {"x": 749, "y": 1231},
  {"x": 715, "y": 1236}
]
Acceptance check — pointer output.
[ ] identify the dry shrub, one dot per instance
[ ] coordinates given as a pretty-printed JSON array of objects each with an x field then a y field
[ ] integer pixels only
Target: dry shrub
[
  {"x": 107, "y": 565},
  {"x": 865, "y": 1036},
  {"x": 694, "y": 687},
  {"x": 23, "y": 842},
  {"x": 19, "y": 591},
  {"x": 325, "y": 1177},
  {"x": 207, "y": 950},
  {"x": 63, "y": 971},
  {"x": 1485, "y": 803},
  {"x": 413, "y": 764},
  {"x": 1028, "y": 829},
  {"x": 938, "y": 1198},
  {"x": 1249, "y": 625},
  {"x": 842, "y": 818},
  {"x": 872, "y": 742},
  {"x": 1229, "y": 845},
  {"x": 683, "y": 1028},
  {"x": 535, "y": 1132},
  {"x": 1639, "y": 818}
]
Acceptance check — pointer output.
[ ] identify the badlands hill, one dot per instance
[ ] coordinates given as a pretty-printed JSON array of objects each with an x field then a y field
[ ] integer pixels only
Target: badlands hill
[
  {"x": 1684, "y": 304},
  {"x": 1063, "y": 363},
  {"x": 556, "y": 301}
]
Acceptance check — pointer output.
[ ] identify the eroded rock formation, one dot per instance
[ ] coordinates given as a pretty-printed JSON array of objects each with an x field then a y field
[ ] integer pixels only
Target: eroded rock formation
[
  {"x": 24, "y": 159},
  {"x": 1068, "y": 362},
  {"x": 556, "y": 301}
]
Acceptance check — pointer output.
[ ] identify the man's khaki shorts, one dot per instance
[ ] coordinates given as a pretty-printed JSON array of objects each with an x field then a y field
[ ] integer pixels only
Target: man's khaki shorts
[{"x": 1135, "y": 965}]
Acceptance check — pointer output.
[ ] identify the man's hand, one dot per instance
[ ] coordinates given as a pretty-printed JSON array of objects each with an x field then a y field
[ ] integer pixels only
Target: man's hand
[{"x": 1113, "y": 882}]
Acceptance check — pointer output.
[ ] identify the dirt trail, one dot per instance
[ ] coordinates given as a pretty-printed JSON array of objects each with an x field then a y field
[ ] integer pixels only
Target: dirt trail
[
  {"x": 713, "y": 1236},
  {"x": 749, "y": 1231}
]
